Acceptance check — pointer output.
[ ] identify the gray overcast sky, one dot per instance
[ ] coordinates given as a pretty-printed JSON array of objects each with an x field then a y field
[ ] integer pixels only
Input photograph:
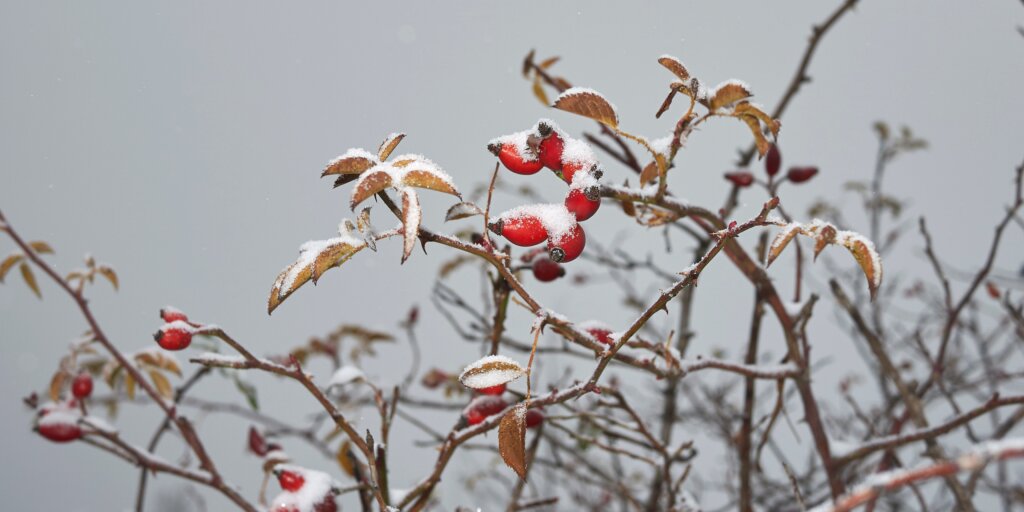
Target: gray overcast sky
[{"x": 182, "y": 143}]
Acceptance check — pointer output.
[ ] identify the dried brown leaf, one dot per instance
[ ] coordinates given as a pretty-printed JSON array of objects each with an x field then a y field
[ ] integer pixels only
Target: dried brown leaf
[
  {"x": 867, "y": 257},
  {"x": 344, "y": 458},
  {"x": 30, "y": 278},
  {"x": 676, "y": 67},
  {"x": 9, "y": 263},
  {"x": 512, "y": 439},
  {"x": 747, "y": 108},
  {"x": 351, "y": 165},
  {"x": 389, "y": 145},
  {"x": 369, "y": 184},
  {"x": 57, "y": 385},
  {"x": 462, "y": 211},
  {"x": 781, "y": 241},
  {"x": 755, "y": 129},
  {"x": 826, "y": 235},
  {"x": 345, "y": 179},
  {"x": 158, "y": 360},
  {"x": 41, "y": 247},
  {"x": 528, "y": 62},
  {"x": 424, "y": 178},
  {"x": 727, "y": 93},
  {"x": 548, "y": 62},
  {"x": 588, "y": 103},
  {"x": 163, "y": 386},
  {"x": 129, "y": 386},
  {"x": 538, "y": 90},
  {"x": 649, "y": 174},
  {"x": 108, "y": 273}
]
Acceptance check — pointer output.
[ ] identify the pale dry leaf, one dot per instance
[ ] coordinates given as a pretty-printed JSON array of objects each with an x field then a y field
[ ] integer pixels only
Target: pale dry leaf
[
  {"x": 430, "y": 180},
  {"x": 588, "y": 103},
  {"x": 109, "y": 273},
  {"x": 781, "y": 240},
  {"x": 163, "y": 386},
  {"x": 389, "y": 145},
  {"x": 30, "y": 279},
  {"x": 462, "y": 210},
  {"x": 512, "y": 439},
  {"x": 40, "y": 247},
  {"x": 729, "y": 92},
  {"x": 9, "y": 263},
  {"x": 675, "y": 66},
  {"x": 491, "y": 371},
  {"x": 411, "y": 216}
]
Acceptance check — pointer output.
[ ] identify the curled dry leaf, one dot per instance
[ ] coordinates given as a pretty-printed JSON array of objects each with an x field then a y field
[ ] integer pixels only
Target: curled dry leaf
[
  {"x": 491, "y": 371},
  {"x": 163, "y": 386},
  {"x": 650, "y": 173},
  {"x": 462, "y": 210},
  {"x": 538, "y": 90},
  {"x": 354, "y": 162},
  {"x": 9, "y": 263},
  {"x": 512, "y": 439},
  {"x": 727, "y": 93},
  {"x": 109, "y": 273},
  {"x": 745, "y": 108},
  {"x": 755, "y": 129},
  {"x": 867, "y": 257},
  {"x": 588, "y": 103},
  {"x": 430, "y": 180},
  {"x": 825, "y": 234},
  {"x": 159, "y": 359},
  {"x": 528, "y": 62},
  {"x": 344, "y": 458},
  {"x": 315, "y": 258},
  {"x": 411, "y": 216},
  {"x": 675, "y": 66},
  {"x": 57, "y": 384},
  {"x": 41, "y": 247},
  {"x": 30, "y": 278},
  {"x": 389, "y": 145},
  {"x": 368, "y": 185}
]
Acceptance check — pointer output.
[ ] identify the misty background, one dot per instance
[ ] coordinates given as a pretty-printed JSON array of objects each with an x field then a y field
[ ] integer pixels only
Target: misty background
[{"x": 182, "y": 143}]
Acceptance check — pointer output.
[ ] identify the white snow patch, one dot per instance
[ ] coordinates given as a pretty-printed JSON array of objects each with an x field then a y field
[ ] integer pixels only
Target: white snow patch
[
  {"x": 510, "y": 370},
  {"x": 317, "y": 487},
  {"x": 346, "y": 375},
  {"x": 557, "y": 220}
]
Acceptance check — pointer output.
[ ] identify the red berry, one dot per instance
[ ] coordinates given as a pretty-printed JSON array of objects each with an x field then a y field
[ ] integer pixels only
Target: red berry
[
  {"x": 550, "y": 148},
  {"x": 522, "y": 230},
  {"x": 546, "y": 270},
  {"x": 740, "y": 179},
  {"x": 583, "y": 202},
  {"x": 173, "y": 338},
  {"x": 569, "y": 170},
  {"x": 286, "y": 508},
  {"x": 568, "y": 246},
  {"x": 483, "y": 406},
  {"x": 290, "y": 480},
  {"x": 801, "y": 174},
  {"x": 601, "y": 335},
  {"x": 493, "y": 390},
  {"x": 257, "y": 443},
  {"x": 327, "y": 505},
  {"x": 772, "y": 160},
  {"x": 60, "y": 432},
  {"x": 170, "y": 314},
  {"x": 533, "y": 418},
  {"x": 81, "y": 387},
  {"x": 514, "y": 160}
]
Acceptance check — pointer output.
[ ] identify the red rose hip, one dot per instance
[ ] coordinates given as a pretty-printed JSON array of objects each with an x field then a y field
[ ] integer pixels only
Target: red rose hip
[
  {"x": 772, "y": 160},
  {"x": 546, "y": 270},
  {"x": 81, "y": 387},
  {"x": 533, "y": 418},
  {"x": 569, "y": 246},
  {"x": 493, "y": 390},
  {"x": 174, "y": 336},
  {"x": 583, "y": 203},
  {"x": 290, "y": 481},
  {"x": 483, "y": 406},
  {"x": 550, "y": 148},
  {"x": 741, "y": 179},
  {"x": 521, "y": 230},
  {"x": 170, "y": 314},
  {"x": 514, "y": 160},
  {"x": 801, "y": 174}
]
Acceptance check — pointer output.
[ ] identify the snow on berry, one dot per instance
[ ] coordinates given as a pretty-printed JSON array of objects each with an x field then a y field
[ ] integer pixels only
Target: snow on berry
[
  {"x": 491, "y": 371},
  {"x": 59, "y": 423},
  {"x": 556, "y": 219},
  {"x": 315, "y": 493},
  {"x": 171, "y": 313},
  {"x": 483, "y": 406}
]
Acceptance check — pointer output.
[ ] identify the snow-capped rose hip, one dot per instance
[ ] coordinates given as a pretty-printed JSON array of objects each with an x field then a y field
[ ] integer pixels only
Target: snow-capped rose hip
[
  {"x": 583, "y": 202},
  {"x": 740, "y": 179},
  {"x": 483, "y": 406},
  {"x": 534, "y": 417},
  {"x": 170, "y": 314},
  {"x": 549, "y": 151},
  {"x": 176, "y": 335},
  {"x": 546, "y": 270},
  {"x": 772, "y": 161},
  {"x": 521, "y": 230},
  {"x": 290, "y": 481},
  {"x": 60, "y": 432},
  {"x": 81, "y": 387},
  {"x": 568, "y": 246},
  {"x": 569, "y": 170},
  {"x": 801, "y": 174},
  {"x": 602, "y": 335},
  {"x": 493, "y": 390},
  {"x": 512, "y": 158}
]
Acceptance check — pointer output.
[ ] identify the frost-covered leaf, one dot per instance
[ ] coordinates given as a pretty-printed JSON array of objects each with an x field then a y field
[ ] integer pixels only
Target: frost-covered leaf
[
  {"x": 867, "y": 257},
  {"x": 41, "y": 247},
  {"x": 826, "y": 235},
  {"x": 109, "y": 273},
  {"x": 430, "y": 179},
  {"x": 491, "y": 371},
  {"x": 749, "y": 109},
  {"x": 315, "y": 256},
  {"x": 9, "y": 263},
  {"x": 512, "y": 439},
  {"x": 368, "y": 185},
  {"x": 354, "y": 161},
  {"x": 675, "y": 66},
  {"x": 781, "y": 240},
  {"x": 588, "y": 103},
  {"x": 462, "y": 210},
  {"x": 727, "y": 93},
  {"x": 389, "y": 145},
  {"x": 30, "y": 278},
  {"x": 411, "y": 216},
  {"x": 345, "y": 179}
]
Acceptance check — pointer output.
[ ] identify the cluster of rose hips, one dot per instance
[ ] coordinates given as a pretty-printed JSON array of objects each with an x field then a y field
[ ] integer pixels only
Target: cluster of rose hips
[
  {"x": 58, "y": 422},
  {"x": 488, "y": 401},
  {"x": 772, "y": 166},
  {"x": 574, "y": 162},
  {"x": 292, "y": 484},
  {"x": 177, "y": 331}
]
